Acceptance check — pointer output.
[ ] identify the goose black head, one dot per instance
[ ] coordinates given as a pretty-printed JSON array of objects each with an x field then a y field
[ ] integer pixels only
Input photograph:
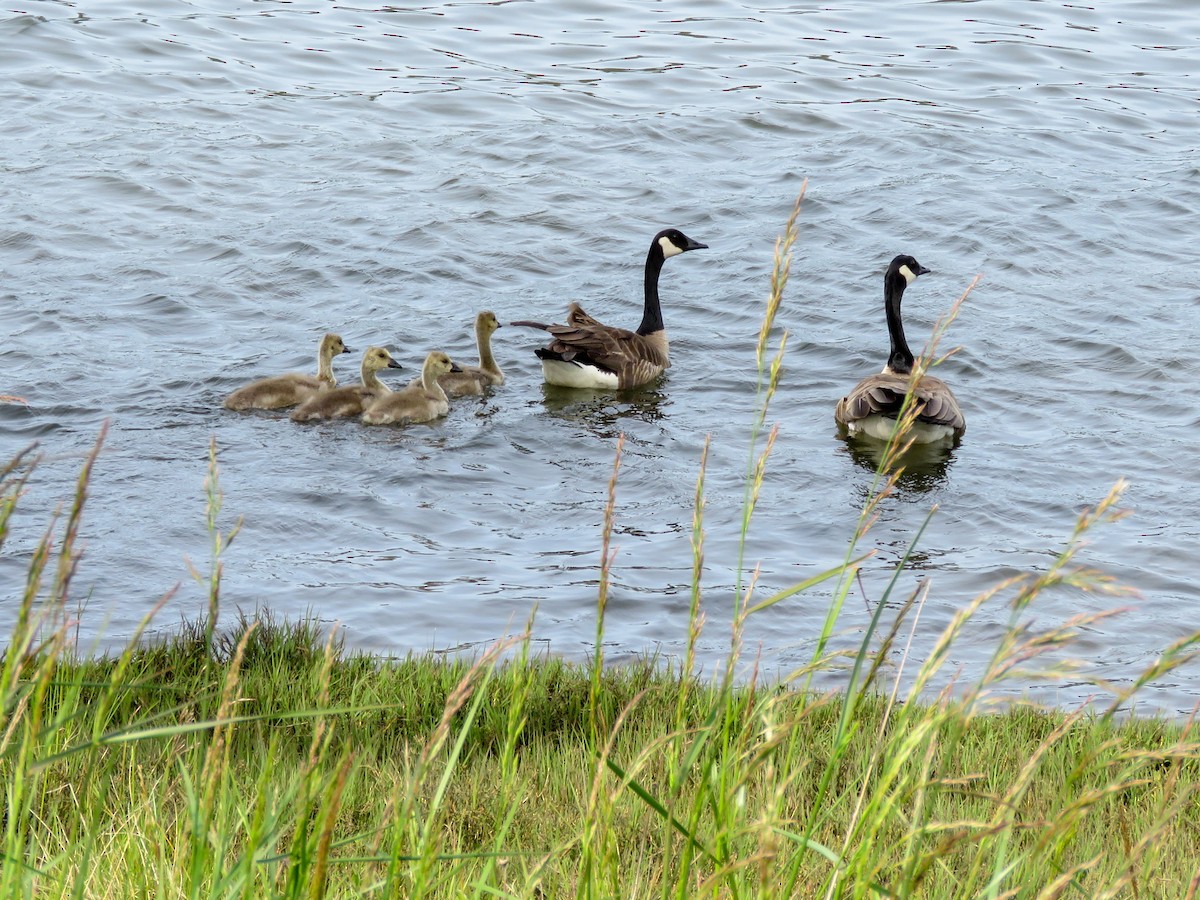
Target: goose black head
[
  {"x": 907, "y": 267},
  {"x": 672, "y": 242}
]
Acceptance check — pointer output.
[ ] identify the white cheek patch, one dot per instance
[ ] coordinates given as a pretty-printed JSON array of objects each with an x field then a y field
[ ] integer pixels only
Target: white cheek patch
[
  {"x": 668, "y": 248},
  {"x": 909, "y": 275}
]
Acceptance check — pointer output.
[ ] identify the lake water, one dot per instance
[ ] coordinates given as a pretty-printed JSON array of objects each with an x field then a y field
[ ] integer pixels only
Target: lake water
[{"x": 190, "y": 197}]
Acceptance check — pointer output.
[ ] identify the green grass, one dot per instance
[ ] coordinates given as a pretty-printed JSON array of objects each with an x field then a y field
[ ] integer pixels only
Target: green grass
[
  {"x": 447, "y": 778},
  {"x": 261, "y": 759}
]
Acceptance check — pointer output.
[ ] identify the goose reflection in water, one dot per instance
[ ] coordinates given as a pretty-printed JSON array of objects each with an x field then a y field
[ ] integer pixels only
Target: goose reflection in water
[
  {"x": 605, "y": 413},
  {"x": 924, "y": 466}
]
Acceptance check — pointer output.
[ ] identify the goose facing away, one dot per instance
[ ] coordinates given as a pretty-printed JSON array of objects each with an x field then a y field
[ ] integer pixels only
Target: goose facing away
[
  {"x": 473, "y": 380},
  {"x": 422, "y": 402},
  {"x": 872, "y": 407},
  {"x": 587, "y": 354},
  {"x": 349, "y": 401},
  {"x": 280, "y": 391}
]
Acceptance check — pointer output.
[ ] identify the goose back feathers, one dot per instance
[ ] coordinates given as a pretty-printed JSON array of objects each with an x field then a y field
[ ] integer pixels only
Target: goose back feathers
[{"x": 585, "y": 353}]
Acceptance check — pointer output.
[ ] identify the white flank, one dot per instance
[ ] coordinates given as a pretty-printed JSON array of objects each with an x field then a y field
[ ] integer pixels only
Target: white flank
[
  {"x": 880, "y": 428},
  {"x": 574, "y": 375}
]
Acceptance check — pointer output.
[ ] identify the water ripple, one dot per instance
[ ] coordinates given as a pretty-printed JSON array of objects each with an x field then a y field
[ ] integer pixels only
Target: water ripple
[{"x": 194, "y": 194}]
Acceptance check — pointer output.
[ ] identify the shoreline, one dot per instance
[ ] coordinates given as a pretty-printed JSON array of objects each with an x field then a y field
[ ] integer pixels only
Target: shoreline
[{"x": 266, "y": 755}]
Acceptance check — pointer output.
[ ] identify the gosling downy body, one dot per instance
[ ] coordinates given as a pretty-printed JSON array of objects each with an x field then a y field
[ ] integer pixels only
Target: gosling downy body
[
  {"x": 349, "y": 401},
  {"x": 421, "y": 402},
  {"x": 473, "y": 380},
  {"x": 872, "y": 407},
  {"x": 280, "y": 391},
  {"x": 585, "y": 353}
]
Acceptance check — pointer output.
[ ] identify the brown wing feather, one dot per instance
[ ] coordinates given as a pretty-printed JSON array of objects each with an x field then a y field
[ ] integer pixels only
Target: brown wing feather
[
  {"x": 941, "y": 407},
  {"x": 884, "y": 395},
  {"x": 576, "y": 316},
  {"x": 634, "y": 358}
]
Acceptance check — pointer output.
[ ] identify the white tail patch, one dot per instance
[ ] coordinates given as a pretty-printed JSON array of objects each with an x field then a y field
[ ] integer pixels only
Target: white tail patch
[
  {"x": 577, "y": 375},
  {"x": 881, "y": 427}
]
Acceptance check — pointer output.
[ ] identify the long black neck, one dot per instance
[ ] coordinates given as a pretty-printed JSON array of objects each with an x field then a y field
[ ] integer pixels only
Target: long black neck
[
  {"x": 900, "y": 360},
  {"x": 652, "y": 314}
]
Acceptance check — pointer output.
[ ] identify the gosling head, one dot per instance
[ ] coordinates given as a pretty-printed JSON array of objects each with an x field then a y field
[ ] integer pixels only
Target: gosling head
[
  {"x": 487, "y": 322},
  {"x": 439, "y": 363},
  {"x": 377, "y": 358},
  {"x": 333, "y": 344},
  {"x": 907, "y": 267},
  {"x": 672, "y": 242}
]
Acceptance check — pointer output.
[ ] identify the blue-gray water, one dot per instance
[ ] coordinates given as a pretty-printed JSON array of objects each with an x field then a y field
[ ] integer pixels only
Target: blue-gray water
[{"x": 189, "y": 197}]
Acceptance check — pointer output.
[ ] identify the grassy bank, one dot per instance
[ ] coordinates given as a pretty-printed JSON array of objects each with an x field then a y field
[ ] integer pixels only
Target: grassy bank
[
  {"x": 269, "y": 762},
  {"x": 262, "y": 760}
]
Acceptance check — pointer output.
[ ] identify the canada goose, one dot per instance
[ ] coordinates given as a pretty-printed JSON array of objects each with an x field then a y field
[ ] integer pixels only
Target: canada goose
[
  {"x": 288, "y": 390},
  {"x": 871, "y": 408},
  {"x": 474, "y": 379},
  {"x": 421, "y": 402},
  {"x": 586, "y": 354},
  {"x": 349, "y": 401}
]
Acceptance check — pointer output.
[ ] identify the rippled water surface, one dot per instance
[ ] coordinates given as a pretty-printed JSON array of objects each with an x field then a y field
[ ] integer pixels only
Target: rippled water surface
[{"x": 192, "y": 195}]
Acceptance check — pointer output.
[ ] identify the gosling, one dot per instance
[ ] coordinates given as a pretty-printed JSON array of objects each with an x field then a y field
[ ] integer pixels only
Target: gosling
[
  {"x": 281, "y": 391},
  {"x": 349, "y": 401},
  {"x": 474, "y": 380},
  {"x": 422, "y": 402}
]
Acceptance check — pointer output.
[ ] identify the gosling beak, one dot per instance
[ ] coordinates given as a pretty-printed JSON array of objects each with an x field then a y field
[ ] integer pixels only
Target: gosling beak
[
  {"x": 454, "y": 367},
  {"x": 392, "y": 364}
]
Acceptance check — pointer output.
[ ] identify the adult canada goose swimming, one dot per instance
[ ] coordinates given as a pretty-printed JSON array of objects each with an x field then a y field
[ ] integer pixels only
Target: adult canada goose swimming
[
  {"x": 349, "y": 401},
  {"x": 871, "y": 408},
  {"x": 421, "y": 402},
  {"x": 288, "y": 390},
  {"x": 472, "y": 380},
  {"x": 586, "y": 354}
]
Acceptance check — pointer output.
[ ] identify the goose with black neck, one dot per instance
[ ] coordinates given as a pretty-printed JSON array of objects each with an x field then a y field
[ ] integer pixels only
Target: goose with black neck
[
  {"x": 585, "y": 353},
  {"x": 871, "y": 409}
]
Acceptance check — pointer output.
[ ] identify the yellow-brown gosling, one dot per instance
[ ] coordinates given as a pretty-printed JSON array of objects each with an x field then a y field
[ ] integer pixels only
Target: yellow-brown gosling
[
  {"x": 281, "y": 391},
  {"x": 474, "y": 380},
  {"x": 422, "y": 402},
  {"x": 349, "y": 401}
]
